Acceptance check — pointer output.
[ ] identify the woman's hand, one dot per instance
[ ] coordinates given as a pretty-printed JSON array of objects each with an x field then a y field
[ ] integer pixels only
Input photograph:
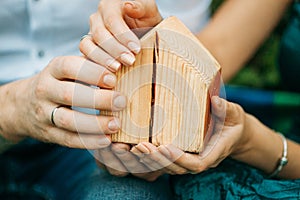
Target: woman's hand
[
  {"x": 228, "y": 139},
  {"x": 65, "y": 82},
  {"x": 110, "y": 41},
  {"x": 119, "y": 161}
]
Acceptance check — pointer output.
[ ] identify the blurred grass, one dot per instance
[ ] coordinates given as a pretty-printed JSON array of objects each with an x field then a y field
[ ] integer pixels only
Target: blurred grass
[{"x": 262, "y": 70}]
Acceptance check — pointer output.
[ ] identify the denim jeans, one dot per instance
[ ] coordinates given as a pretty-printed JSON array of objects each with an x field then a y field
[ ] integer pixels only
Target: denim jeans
[{"x": 35, "y": 170}]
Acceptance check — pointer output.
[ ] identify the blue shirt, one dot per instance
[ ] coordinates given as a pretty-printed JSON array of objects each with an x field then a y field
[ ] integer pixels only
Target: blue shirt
[{"x": 32, "y": 32}]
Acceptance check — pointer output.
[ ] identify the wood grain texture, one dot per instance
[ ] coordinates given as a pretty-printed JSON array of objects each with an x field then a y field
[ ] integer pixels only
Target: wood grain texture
[{"x": 169, "y": 89}]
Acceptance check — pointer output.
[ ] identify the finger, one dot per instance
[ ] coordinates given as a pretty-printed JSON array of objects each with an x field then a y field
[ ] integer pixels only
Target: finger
[
  {"x": 112, "y": 163},
  {"x": 171, "y": 168},
  {"x": 150, "y": 175},
  {"x": 142, "y": 158},
  {"x": 166, "y": 165},
  {"x": 229, "y": 112},
  {"x": 191, "y": 162},
  {"x": 134, "y": 9},
  {"x": 96, "y": 54},
  {"x": 83, "y": 123},
  {"x": 76, "y": 94},
  {"x": 108, "y": 42},
  {"x": 116, "y": 25},
  {"x": 128, "y": 159},
  {"x": 74, "y": 140},
  {"x": 194, "y": 162},
  {"x": 98, "y": 158},
  {"x": 152, "y": 157},
  {"x": 81, "y": 69}
]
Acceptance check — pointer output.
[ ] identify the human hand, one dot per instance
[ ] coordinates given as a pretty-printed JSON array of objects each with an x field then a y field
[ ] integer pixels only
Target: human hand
[
  {"x": 65, "y": 82},
  {"x": 119, "y": 161},
  {"x": 111, "y": 42},
  {"x": 228, "y": 139}
]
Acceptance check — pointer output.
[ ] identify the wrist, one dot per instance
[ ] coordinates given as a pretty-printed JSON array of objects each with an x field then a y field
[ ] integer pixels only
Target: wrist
[
  {"x": 245, "y": 144},
  {"x": 10, "y": 129},
  {"x": 260, "y": 146}
]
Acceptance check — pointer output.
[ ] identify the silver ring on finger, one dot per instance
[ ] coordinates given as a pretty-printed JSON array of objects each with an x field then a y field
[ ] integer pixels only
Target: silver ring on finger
[
  {"x": 87, "y": 35},
  {"x": 53, "y": 115}
]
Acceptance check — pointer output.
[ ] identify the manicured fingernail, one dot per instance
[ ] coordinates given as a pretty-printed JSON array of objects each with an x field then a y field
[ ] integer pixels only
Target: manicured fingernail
[
  {"x": 142, "y": 148},
  {"x": 136, "y": 152},
  {"x": 114, "y": 124},
  {"x": 134, "y": 47},
  {"x": 104, "y": 142},
  {"x": 128, "y": 58},
  {"x": 113, "y": 64},
  {"x": 164, "y": 151},
  {"x": 109, "y": 80},
  {"x": 120, "y": 102}
]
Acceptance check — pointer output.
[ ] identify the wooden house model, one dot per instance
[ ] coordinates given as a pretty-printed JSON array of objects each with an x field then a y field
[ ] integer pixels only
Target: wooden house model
[{"x": 169, "y": 89}]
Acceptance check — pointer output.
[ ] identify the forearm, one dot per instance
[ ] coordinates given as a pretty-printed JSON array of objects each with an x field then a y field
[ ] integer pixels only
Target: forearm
[
  {"x": 11, "y": 96},
  {"x": 238, "y": 28},
  {"x": 264, "y": 149}
]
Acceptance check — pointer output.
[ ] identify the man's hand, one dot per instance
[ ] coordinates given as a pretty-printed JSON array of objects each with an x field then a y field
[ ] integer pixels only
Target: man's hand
[
  {"x": 119, "y": 161},
  {"x": 111, "y": 41}
]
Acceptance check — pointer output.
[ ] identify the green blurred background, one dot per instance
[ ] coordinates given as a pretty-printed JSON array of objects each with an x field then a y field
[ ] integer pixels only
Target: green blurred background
[{"x": 261, "y": 71}]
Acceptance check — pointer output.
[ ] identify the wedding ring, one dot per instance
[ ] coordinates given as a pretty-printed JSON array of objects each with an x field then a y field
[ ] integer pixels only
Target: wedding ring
[
  {"x": 87, "y": 35},
  {"x": 53, "y": 113}
]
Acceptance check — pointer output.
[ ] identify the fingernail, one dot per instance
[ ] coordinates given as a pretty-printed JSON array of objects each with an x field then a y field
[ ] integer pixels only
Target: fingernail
[
  {"x": 128, "y": 58},
  {"x": 131, "y": 5},
  {"x": 113, "y": 64},
  {"x": 120, "y": 102},
  {"x": 119, "y": 151},
  {"x": 104, "y": 142},
  {"x": 164, "y": 151},
  {"x": 114, "y": 124},
  {"x": 109, "y": 80},
  {"x": 142, "y": 148},
  {"x": 134, "y": 47},
  {"x": 137, "y": 152}
]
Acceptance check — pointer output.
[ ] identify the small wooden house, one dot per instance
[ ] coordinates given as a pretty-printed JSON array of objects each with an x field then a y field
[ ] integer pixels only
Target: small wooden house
[{"x": 168, "y": 89}]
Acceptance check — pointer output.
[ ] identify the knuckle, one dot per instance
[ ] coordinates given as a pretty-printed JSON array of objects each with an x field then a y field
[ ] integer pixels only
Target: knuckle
[
  {"x": 39, "y": 112},
  {"x": 62, "y": 121},
  {"x": 109, "y": 21},
  {"x": 47, "y": 138},
  {"x": 198, "y": 169},
  {"x": 92, "y": 18},
  {"x": 66, "y": 95},
  {"x": 55, "y": 60},
  {"x": 100, "y": 6},
  {"x": 65, "y": 68},
  {"x": 98, "y": 36},
  {"x": 40, "y": 89},
  {"x": 180, "y": 171},
  {"x": 68, "y": 140}
]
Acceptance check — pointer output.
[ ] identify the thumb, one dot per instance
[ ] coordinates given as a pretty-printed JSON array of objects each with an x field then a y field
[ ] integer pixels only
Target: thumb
[
  {"x": 218, "y": 107},
  {"x": 228, "y": 112},
  {"x": 134, "y": 9},
  {"x": 145, "y": 12}
]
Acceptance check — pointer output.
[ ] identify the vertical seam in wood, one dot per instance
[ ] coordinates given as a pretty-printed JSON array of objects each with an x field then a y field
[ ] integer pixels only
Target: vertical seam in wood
[{"x": 155, "y": 60}]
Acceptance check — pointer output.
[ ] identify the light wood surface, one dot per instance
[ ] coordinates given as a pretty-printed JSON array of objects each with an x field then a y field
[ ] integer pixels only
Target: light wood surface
[{"x": 168, "y": 89}]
